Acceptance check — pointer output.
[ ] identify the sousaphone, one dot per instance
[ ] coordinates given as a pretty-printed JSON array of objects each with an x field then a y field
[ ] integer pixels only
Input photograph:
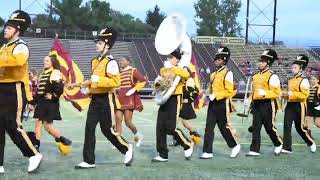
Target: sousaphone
[{"x": 170, "y": 36}]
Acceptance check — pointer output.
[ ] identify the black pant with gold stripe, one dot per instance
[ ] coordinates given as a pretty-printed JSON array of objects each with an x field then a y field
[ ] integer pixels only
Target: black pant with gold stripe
[
  {"x": 101, "y": 110},
  {"x": 295, "y": 112},
  {"x": 219, "y": 113},
  {"x": 12, "y": 102},
  {"x": 264, "y": 113},
  {"x": 168, "y": 116}
]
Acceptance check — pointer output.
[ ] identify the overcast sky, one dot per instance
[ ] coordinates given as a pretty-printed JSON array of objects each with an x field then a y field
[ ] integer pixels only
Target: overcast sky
[{"x": 297, "y": 19}]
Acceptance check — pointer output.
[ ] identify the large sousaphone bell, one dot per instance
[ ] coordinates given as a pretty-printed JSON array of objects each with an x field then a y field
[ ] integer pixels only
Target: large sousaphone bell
[{"x": 170, "y": 36}]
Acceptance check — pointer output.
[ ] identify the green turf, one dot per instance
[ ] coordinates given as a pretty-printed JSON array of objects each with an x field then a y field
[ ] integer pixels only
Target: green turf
[{"x": 300, "y": 165}]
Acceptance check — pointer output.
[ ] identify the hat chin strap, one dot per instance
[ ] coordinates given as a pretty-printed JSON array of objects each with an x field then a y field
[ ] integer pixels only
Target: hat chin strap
[{"x": 9, "y": 39}]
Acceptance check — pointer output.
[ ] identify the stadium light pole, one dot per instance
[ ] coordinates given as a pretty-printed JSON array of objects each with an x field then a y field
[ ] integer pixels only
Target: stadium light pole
[
  {"x": 261, "y": 12},
  {"x": 20, "y": 5}
]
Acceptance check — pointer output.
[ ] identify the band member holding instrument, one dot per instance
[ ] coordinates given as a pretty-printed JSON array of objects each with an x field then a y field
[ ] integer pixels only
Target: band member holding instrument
[
  {"x": 47, "y": 97},
  {"x": 104, "y": 80},
  {"x": 298, "y": 92},
  {"x": 221, "y": 92},
  {"x": 313, "y": 104},
  {"x": 14, "y": 89},
  {"x": 265, "y": 92},
  {"x": 168, "y": 113},
  {"x": 132, "y": 82}
]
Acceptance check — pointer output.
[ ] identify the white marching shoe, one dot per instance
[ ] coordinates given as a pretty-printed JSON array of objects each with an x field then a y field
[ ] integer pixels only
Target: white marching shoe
[
  {"x": 285, "y": 151},
  {"x": 277, "y": 150},
  {"x": 34, "y": 162},
  {"x": 206, "y": 156},
  {"x": 159, "y": 159},
  {"x": 84, "y": 165},
  {"x": 235, "y": 151},
  {"x": 252, "y": 153},
  {"x": 138, "y": 139},
  {"x": 1, "y": 170},
  {"x": 313, "y": 148},
  {"x": 188, "y": 152},
  {"x": 128, "y": 157}
]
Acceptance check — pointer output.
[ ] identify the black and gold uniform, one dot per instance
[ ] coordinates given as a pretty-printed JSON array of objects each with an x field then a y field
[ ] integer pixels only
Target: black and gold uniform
[
  {"x": 313, "y": 101},
  {"x": 265, "y": 92},
  {"x": 190, "y": 93},
  {"x": 49, "y": 90},
  {"x": 219, "y": 110},
  {"x": 14, "y": 88},
  {"x": 168, "y": 114},
  {"x": 295, "y": 111},
  {"x": 105, "y": 79}
]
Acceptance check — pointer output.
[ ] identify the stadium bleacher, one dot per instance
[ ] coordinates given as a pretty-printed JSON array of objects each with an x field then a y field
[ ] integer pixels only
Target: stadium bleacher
[{"x": 148, "y": 61}]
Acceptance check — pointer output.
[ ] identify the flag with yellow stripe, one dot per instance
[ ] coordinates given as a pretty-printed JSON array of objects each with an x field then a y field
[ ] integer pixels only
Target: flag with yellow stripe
[{"x": 71, "y": 74}]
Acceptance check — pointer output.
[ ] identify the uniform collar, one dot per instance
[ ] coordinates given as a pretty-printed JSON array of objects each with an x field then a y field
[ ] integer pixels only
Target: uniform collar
[
  {"x": 13, "y": 42},
  {"x": 222, "y": 68},
  {"x": 265, "y": 70},
  {"x": 126, "y": 68},
  {"x": 299, "y": 75},
  {"x": 48, "y": 70}
]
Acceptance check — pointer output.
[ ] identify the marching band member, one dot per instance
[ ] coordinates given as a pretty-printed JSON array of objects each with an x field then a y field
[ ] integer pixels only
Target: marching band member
[
  {"x": 313, "y": 111},
  {"x": 49, "y": 90},
  {"x": 168, "y": 113},
  {"x": 265, "y": 92},
  {"x": 298, "y": 92},
  {"x": 14, "y": 88},
  {"x": 132, "y": 82},
  {"x": 104, "y": 80},
  {"x": 221, "y": 91}
]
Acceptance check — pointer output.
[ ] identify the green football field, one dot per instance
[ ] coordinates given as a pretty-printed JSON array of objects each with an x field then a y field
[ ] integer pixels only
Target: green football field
[{"x": 302, "y": 164}]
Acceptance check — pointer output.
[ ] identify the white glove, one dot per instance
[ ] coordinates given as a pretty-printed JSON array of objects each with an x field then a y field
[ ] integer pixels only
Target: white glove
[
  {"x": 246, "y": 102},
  {"x": 317, "y": 108},
  {"x": 212, "y": 96},
  {"x": 159, "y": 78},
  {"x": 84, "y": 90},
  {"x": 167, "y": 64},
  {"x": 290, "y": 93},
  {"x": 94, "y": 78},
  {"x": 262, "y": 92},
  {"x": 131, "y": 91}
]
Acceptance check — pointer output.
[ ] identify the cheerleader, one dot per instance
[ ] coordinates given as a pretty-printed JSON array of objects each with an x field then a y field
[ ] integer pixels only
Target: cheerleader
[
  {"x": 132, "y": 82},
  {"x": 49, "y": 90}
]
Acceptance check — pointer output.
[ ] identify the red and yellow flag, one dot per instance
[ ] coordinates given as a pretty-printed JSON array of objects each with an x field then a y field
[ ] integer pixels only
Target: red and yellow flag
[
  {"x": 71, "y": 74},
  {"x": 200, "y": 101}
]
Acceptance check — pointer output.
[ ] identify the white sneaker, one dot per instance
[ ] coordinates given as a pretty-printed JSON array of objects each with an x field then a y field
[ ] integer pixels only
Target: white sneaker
[
  {"x": 139, "y": 139},
  {"x": 277, "y": 150},
  {"x": 206, "y": 156},
  {"x": 128, "y": 156},
  {"x": 34, "y": 162},
  {"x": 285, "y": 151},
  {"x": 235, "y": 151},
  {"x": 159, "y": 159},
  {"x": 313, "y": 148},
  {"x": 84, "y": 165},
  {"x": 188, "y": 152},
  {"x": 252, "y": 153},
  {"x": 1, "y": 170}
]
